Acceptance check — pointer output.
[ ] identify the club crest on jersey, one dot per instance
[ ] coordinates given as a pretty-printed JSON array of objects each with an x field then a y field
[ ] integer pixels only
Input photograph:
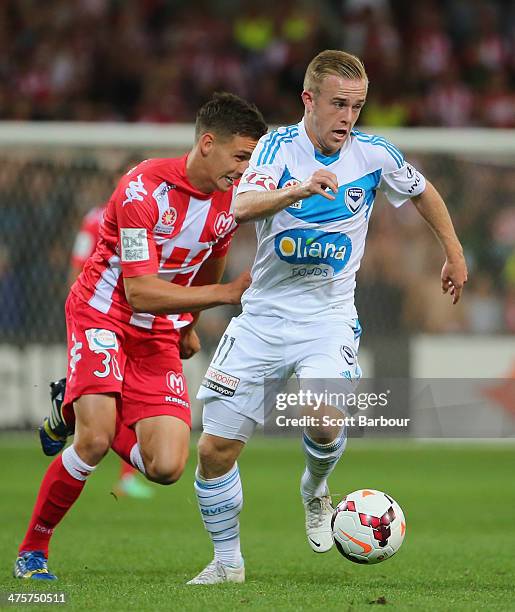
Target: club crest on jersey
[
  {"x": 354, "y": 198},
  {"x": 223, "y": 223},
  {"x": 326, "y": 251},
  {"x": 175, "y": 383}
]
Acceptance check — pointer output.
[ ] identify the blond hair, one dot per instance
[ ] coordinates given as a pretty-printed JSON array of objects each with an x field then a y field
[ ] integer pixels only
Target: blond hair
[{"x": 333, "y": 62}]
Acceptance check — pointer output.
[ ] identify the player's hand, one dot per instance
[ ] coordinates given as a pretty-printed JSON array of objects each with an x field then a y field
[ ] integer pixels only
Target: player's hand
[
  {"x": 189, "y": 343},
  {"x": 322, "y": 182},
  {"x": 236, "y": 288},
  {"x": 454, "y": 277}
]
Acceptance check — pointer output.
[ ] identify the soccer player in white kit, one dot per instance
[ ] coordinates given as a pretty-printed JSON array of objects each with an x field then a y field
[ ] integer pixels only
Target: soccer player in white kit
[{"x": 310, "y": 187}]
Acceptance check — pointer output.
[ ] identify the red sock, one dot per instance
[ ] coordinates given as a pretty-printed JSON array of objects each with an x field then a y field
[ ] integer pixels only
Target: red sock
[
  {"x": 126, "y": 469},
  {"x": 58, "y": 492}
]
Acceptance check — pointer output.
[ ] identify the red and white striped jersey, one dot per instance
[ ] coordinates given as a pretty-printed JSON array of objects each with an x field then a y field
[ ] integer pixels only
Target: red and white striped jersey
[{"x": 156, "y": 222}]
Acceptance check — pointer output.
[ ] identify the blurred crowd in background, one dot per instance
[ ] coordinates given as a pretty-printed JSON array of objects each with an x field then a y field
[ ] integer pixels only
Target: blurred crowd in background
[{"x": 430, "y": 62}]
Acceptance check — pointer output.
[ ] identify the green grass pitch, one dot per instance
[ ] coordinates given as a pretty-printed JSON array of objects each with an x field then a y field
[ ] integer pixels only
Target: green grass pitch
[{"x": 459, "y": 551}]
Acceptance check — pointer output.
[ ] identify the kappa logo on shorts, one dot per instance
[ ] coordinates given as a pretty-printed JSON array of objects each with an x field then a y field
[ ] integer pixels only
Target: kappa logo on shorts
[
  {"x": 221, "y": 382},
  {"x": 101, "y": 340},
  {"x": 175, "y": 383}
]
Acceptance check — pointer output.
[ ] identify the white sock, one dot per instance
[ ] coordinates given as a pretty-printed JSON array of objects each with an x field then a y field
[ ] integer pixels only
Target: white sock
[
  {"x": 74, "y": 465},
  {"x": 137, "y": 459},
  {"x": 220, "y": 501},
  {"x": 321, "y": 460}
]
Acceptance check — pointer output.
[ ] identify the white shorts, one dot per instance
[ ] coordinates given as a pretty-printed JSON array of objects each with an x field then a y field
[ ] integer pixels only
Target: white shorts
[
  {"x": 220, "y": 420},
  {"x": 257, "y": 348}
]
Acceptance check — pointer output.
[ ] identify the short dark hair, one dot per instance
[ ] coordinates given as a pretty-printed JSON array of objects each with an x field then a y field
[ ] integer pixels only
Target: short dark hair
[{"x": 228, "y": 115}]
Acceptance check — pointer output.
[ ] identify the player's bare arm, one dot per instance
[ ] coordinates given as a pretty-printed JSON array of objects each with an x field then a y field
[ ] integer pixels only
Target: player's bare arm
[
  {"x": 254, "y": 205},
  {"x": 210, "y": 273},
  {"x": 454, "y": 272},
  {"x": 151, "y": 294}
]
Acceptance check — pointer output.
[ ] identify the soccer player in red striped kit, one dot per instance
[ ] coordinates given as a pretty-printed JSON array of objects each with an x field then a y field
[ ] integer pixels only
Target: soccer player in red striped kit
[
  {"x": 85, "y": 243},
  {"x": 160, "y": 257}
]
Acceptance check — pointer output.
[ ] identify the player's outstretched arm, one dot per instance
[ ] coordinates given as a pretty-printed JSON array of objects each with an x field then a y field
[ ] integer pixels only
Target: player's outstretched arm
[
  {"x": 151, "y": 294},
  {"x": 254, "y": 205},
  {"x": 454, "y": 272}
]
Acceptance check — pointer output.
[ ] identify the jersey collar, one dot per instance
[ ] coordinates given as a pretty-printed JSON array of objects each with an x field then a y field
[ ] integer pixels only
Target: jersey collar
[{"x": 325, "y": 160}]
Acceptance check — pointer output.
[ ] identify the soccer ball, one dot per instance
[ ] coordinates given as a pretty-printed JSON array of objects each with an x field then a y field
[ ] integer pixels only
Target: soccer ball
[{"x": 368, "y": 526}]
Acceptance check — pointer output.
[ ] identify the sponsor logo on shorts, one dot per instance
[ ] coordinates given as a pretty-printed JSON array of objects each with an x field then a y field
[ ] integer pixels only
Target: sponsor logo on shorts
[
  {"x": 221, "y": 382},
  {"x": 177, "y": 400},
  {"x": 175, "y": 382},
  {"x": 134, "y": 244},
  {"x": 101, "y": 340}
]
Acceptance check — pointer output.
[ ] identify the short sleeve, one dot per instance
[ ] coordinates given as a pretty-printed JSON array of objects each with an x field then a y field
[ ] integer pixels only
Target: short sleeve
[
  {"x": 400, "y": 181},
  {"x": 267, "y": 163},
  {"x": 137, "y": 214}
]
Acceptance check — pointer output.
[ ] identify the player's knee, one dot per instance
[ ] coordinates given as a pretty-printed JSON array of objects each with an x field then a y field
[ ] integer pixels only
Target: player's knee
[
  {"x": 92, "y": 447},
  {"x": 165, "y": 472},
  {"x": 216, "y": 457}
]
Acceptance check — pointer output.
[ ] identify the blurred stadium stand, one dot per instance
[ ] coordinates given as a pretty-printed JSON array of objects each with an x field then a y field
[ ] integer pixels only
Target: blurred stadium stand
[
  {"x": 445, "y": 62},
  {"x": 433, "y": 64}
]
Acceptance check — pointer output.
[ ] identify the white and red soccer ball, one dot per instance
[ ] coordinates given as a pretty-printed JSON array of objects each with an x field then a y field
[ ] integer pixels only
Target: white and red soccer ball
[{"x": 368, "y": 526}]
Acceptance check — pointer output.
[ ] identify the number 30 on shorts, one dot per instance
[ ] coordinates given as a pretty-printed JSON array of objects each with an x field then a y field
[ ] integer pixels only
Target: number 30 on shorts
[{"x": 102, "y": 341}]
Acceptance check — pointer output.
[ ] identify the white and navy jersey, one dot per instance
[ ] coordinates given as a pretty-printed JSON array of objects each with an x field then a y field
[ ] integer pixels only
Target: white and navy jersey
[{"x": 308, "y": 254}]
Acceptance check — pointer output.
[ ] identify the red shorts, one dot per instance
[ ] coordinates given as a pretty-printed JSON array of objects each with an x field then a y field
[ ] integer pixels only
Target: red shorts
[{"x": 141, "y": 366}]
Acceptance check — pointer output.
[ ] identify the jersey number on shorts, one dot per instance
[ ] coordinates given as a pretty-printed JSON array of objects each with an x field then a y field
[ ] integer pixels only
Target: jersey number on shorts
[
  {"x": 108, "y": 362},
  {"x": 221, "y": 355}
]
